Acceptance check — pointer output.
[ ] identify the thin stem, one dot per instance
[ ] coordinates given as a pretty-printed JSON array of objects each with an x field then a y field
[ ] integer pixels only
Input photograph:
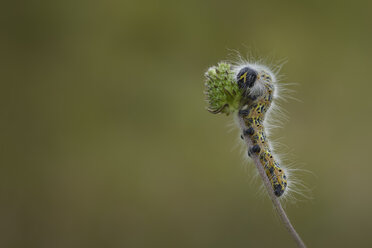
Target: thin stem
[{"x": 274, "y": 199}]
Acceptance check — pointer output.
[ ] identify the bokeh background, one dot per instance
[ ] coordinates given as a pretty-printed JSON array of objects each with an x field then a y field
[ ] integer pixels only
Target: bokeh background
[{"x": 105, "y": 141}]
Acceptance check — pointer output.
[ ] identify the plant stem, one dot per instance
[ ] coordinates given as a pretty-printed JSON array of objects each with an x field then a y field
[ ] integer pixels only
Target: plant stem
[{"x": 275, "y": 200}]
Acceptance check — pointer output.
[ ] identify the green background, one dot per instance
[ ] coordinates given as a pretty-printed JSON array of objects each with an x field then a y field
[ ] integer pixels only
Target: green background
[{"x": 105, "y": 141}]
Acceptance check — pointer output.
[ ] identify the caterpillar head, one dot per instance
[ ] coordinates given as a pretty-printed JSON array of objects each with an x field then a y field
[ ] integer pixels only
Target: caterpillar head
[{"x": 252, "y": 79}]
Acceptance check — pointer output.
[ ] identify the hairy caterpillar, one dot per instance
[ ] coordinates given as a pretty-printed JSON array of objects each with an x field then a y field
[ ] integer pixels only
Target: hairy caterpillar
[{"x": 248, "y": 90}]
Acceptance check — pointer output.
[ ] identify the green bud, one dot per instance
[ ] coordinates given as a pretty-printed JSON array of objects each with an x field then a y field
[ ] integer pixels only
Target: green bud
[{"x": 222, "y": 91}]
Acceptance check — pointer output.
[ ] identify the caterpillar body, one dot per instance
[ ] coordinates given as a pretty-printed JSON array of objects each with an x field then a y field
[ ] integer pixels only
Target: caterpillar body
[
  {"x": 255, "y": 103},
  {"x": 248, "y": 90}
]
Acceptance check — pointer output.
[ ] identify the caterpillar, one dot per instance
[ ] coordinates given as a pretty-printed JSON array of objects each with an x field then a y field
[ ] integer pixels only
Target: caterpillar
[{"x": 247, "y": 90}]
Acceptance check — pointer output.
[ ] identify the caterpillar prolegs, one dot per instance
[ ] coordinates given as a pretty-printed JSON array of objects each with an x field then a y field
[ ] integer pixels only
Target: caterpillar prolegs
[{"x": 248, "y": 91}]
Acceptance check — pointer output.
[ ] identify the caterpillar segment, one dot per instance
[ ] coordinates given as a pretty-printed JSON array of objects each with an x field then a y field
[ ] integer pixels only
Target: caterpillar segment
[{"x": 254, "y": 106}]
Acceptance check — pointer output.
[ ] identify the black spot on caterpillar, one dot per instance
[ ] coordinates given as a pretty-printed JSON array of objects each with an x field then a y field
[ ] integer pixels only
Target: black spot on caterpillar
[
  {"x": 256, "y": 149},
  {"x": 249, "y": 131},
  {"x": 244, "y": 112}
]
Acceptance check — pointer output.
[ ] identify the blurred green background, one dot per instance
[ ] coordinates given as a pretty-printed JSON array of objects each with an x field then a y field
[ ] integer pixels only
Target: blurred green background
[{"x": 105, "y": 141}]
